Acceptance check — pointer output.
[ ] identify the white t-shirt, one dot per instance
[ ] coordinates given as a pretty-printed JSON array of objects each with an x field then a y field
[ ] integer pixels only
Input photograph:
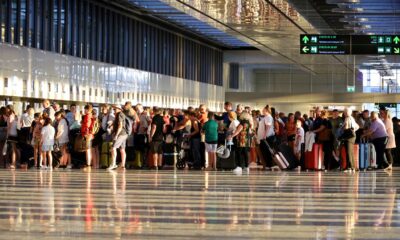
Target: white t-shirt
[
  {"x": 48, "y": 133},
  {"x": 234, "y": 124},
  {"x": 144, "y": 119},
  {"x": 262, "y": 132},
  {"x": 26, "y": 120},
  {"x": 13, "y": 124},
  {"x": 62, "y": 129},
  {"x": 299, "y": 139}
]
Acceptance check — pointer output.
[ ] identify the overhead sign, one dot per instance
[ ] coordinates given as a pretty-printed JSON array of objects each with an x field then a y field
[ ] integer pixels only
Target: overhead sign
[
  {"x": 350, "y": 44},
  {"x": 351, "y": 88}
]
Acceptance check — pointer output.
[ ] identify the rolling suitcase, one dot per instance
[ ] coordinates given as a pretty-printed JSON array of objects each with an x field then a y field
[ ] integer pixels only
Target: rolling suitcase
[
  {"x": 227, "y": 163},
  {"x": 364, "y": 156},
  {"x": 105, "y": 155},
  {"x": 170, "y": 154},
  {"x": 288, "y": 154},
  {"x": 344, "y": 160},
  {"x": 277, "y": 157},
  {"x": 372, "y": 156},
  {"x": 138, "y": 160},
  {"x": 314, "y": 160},
  {"x": 131, "y": 158}
]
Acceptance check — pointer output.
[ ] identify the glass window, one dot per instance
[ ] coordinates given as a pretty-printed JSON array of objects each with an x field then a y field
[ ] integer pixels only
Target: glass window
[{"x": 14, "y": 29}]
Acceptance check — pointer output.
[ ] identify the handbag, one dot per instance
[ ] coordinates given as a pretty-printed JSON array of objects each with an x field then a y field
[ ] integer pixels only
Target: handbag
[{"x": 347, "y": 134}]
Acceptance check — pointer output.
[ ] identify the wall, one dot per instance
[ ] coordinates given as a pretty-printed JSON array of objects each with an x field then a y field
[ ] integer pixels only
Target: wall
[{"x": 35, "y": 73}]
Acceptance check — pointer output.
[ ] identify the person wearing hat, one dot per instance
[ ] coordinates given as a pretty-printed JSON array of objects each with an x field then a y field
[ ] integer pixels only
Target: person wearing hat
[{"x": 120, "y": 135}]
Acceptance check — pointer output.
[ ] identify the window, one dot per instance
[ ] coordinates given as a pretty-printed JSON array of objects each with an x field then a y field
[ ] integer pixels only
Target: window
[
  {"x": 6, "y": 82},
  {"x": 49, "y": 87}
]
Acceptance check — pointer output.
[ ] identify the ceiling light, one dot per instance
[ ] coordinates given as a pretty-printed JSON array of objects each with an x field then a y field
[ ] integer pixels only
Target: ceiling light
[
  {"x": 342, "y": 1},
  {"x": 347, "y": 9},
  {"x": 353, "y": 19}
]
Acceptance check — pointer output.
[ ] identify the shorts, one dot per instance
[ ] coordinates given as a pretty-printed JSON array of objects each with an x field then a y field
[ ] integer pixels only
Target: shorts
[
  {"x": 36, "y": 142},
  {"x": 156, "y": 147},
  {"x": 211, "y": 147},
  {"x": 47, "y": 148},
  {"x": 13, "y": 139},
  {"x": 120, "y": 142}
]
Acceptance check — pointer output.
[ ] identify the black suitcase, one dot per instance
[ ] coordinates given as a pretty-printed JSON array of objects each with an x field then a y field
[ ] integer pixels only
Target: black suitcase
[
  {"x": 288, "y": 154},
  {"x": 227, "y": 163},
  {"x": 170, "y": 154}
]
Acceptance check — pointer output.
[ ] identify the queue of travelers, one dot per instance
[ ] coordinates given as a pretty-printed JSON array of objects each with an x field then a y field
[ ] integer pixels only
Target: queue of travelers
[{"x": 135, "y": 136}]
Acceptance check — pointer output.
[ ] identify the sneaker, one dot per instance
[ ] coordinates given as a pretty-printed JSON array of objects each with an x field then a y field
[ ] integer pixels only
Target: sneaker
[
  {"x": 69, "y": 166},
  {"x": 112, "y": 167},
  {"x": 388, "y": 168},
  {"x": 247, "y": 170},
  {"x": 237, "y": 170},
  {"x": 43, "y": 167}
]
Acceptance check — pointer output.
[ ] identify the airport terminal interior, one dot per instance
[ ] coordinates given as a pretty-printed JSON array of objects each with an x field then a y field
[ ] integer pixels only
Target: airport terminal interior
[{"x": 199, "y": 119}]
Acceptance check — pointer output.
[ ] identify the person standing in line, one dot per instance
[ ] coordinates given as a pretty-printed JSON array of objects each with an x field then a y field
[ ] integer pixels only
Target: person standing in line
[
  {"x": 225, "y": 116},
  {"x": 47, "y": 142},
  {"x": 377, "y": 133},
  {"x": 120, "y": 134},
  {"x": 350, "y": 123},
  {"x": 86, "y": 132},
  {"x": 3, "y": 132},
  {"x": 299, "y": 139},
  {"x": 12, "y": 135},
  {"x": 62, "y": 138},
  {"x": 391, "y": 143},
  {"x": 337, "y": 124},
  {"x": 36, "y": 130},
  {"x": 210, "y": 129},
  {"x": 70, "y": 116},
  {"x": 26, "y": 122},
  {"x": 194, "y": 138},
  {"x": 266, "y": 132},
  {"x": 291, "y": 130},
  {"x": 156, "y": 138},
  {"x": 48, "y": 109},
  {"x": 242, "y": 135},
  {"x": 325, "y": 137}
]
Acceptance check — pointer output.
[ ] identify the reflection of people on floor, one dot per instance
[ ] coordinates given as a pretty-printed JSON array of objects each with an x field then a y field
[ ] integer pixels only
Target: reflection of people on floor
[{"x": 385, "y": 219}]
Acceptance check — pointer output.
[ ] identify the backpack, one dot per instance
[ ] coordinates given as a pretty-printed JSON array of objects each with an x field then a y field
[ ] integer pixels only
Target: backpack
[
  {"x": 128, "y": 125},
  {"x": 96, "y": 126}
]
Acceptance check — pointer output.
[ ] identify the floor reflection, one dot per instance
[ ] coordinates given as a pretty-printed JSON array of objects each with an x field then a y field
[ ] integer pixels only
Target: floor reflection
[{"x": 204, "y": 204}]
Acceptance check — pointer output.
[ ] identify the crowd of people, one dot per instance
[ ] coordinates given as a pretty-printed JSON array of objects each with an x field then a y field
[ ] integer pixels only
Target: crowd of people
[{"x": 68, "y": 138}]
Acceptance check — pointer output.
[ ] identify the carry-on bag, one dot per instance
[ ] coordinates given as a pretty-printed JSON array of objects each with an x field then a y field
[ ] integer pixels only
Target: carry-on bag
[
  {"x": 314, "y": 160},
  {"x": 105, "y": 155},
  {"x": 287, "y": 152},
  {"x": 364, "y": 155},
  {"x": 277, "y": 157},
  {"x": 343, "y": 157},
  {"x": 170, "y": 154}
]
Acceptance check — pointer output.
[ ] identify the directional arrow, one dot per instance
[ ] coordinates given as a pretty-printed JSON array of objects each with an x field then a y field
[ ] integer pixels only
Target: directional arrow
[
  {"x": 305, "y": 39},
  {"x": 396, "y": 50},
  {"x": 396, "y": 40},
  {"x": 305, "y": 49}
]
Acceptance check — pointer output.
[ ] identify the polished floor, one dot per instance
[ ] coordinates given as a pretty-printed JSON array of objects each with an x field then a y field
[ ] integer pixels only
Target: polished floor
[{"x": 198, "y": 205}]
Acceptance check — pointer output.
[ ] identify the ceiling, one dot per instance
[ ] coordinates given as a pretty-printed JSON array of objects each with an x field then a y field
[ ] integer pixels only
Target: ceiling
[{"x": 274, "y": 26}]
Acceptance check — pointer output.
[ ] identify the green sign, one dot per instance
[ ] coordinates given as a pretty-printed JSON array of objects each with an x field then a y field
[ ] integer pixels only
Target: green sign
[
  {"x": 351, "y": 88},
  {"x": 350, "y": 44}
]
